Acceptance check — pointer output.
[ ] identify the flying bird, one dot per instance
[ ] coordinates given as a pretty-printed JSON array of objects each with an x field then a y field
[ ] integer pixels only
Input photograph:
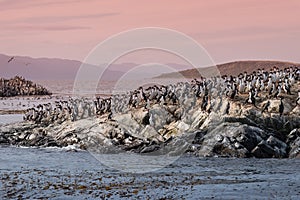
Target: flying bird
[{"x": 10, "y": 59}]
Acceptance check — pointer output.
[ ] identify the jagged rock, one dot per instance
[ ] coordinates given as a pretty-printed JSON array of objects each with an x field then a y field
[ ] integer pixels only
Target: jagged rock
[
  {"x": 263, "y": 150},
  {"x": 274, "y": 106},
  {"x": 231, "y": 139},
  {"x": 278, "y": 146},
  {"x": 134, "y": 145},
  {"x": 176, "y": 146},
  {"x": 211, "y": 121},
  {"x": 293, "y": 141},
  {"x": 182, "y": 127},
  {"x": 3, "y": 139},
  {"x": 293, "y": 135},
  {"x": 169, "y": 131},
  {"x": 272, "y": 147},
  {"x": 150, "y": 148},
  {"x": 296, "y": 110},
  {"x": 159, "y": 116},
  {"x": 175, "y": 129},
  {"x": 127, "y": 123},
  {"x": 178, "y": 113},
  {"x": 281, "y": 125},
  {"x": 150, "y": 133},
  {"x": 141, "y": 116},
  {"x": 295, "y": 148},
  {"x": 198, "y": 119}
]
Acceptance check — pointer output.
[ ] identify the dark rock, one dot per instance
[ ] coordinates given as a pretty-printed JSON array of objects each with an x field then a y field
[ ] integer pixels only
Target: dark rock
[
  {"x": 3, "y": 139},
  {"x": 293, "y": 135},
  {"x": 231, "y": 139},
  {"x": 278, "y": 146},
  {"x": 263, "y": 150},
  {"x": 51, "y": 143},
  {"x": 133, "y": 146},
  {"x": 151, "y": 148}
]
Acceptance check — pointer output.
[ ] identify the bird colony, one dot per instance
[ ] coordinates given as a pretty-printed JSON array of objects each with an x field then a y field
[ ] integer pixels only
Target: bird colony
[{"x": 257, "y": 89}]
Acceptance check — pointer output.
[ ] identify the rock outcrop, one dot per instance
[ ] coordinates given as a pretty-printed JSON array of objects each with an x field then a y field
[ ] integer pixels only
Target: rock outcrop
[
  {"x": 18, "y": 86},
  {"x": 246, "y": 133},
  {"x": 213, "y": 117}
]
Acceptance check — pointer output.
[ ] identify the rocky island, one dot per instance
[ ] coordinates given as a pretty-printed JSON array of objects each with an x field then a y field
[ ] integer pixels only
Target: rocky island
[
  {"x": 18, "y": 86},
  {"x": 248, "y": 115}
]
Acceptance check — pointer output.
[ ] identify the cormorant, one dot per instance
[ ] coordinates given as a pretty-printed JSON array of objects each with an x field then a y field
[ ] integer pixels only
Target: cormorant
[
  {"x": 281, "y": 107},
  {"x": 265, "y": 107}
]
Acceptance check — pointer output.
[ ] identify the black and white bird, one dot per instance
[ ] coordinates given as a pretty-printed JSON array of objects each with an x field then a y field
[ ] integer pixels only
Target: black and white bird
[
  {"x": 281, "y": 106},
  {"x": 251, "y": 98},
  {"x": 287, "y": 87}
]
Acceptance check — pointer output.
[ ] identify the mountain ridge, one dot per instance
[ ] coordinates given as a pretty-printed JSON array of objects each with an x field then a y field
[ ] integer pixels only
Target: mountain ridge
[
  {"x": 44, "y": 68},
  {"x": 232, "y": 68}
]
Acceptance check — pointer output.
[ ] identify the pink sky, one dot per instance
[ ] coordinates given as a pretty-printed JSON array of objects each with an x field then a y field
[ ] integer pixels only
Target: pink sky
[{"x": 228, "y": 29}]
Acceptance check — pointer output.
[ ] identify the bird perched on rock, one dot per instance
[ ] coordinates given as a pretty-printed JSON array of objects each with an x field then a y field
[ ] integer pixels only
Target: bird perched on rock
[
  {"x": 227, "y": 108},
  {"x": 277, "y": 92},
  {"x": 265, "y": 107},
  {"x": 281, "y": 107},
  {"x": 204, "y": 103},
  {"x": 251, "y": 98}
]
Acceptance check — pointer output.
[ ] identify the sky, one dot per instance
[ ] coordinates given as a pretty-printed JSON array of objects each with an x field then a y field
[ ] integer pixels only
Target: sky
[{"x": 229, "y": 30}]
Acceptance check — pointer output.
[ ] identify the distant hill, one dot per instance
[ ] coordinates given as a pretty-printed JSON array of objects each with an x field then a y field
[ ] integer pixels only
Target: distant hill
[
  {"x": 231, "y": 68},
  {"x": 44, "y": 68},
  {"x": 64, "y": 69}
]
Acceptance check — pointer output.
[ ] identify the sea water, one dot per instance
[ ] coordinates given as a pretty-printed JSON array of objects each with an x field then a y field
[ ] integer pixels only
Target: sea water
[{"x": 52, "y": 173}]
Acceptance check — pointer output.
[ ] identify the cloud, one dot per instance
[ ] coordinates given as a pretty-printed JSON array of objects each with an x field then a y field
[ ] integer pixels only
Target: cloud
[
  {"x": 21, "y": 4},
  {"x": 245, "y": 33},
  {"x": 48, "y": 28},
  {"x": 38, "y": 23},
  {"x": 53, "y": 19}
]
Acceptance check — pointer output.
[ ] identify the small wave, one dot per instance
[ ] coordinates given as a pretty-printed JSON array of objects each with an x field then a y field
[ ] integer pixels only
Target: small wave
[{"x": 72, "y": 147}]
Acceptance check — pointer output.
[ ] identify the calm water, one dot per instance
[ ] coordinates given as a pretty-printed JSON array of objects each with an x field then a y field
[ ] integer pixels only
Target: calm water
[
  {"x": 59, "y": 174},
  {"x": 10, "y": 118}
]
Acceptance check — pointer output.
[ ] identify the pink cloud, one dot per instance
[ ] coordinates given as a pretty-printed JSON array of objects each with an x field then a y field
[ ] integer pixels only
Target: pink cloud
[{"x": 47, "y": 28}]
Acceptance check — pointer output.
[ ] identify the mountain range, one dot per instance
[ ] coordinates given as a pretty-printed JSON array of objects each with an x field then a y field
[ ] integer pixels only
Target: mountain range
[
  {"x": 43, "y": 68},
  {"x": 64, "y": 69}
]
